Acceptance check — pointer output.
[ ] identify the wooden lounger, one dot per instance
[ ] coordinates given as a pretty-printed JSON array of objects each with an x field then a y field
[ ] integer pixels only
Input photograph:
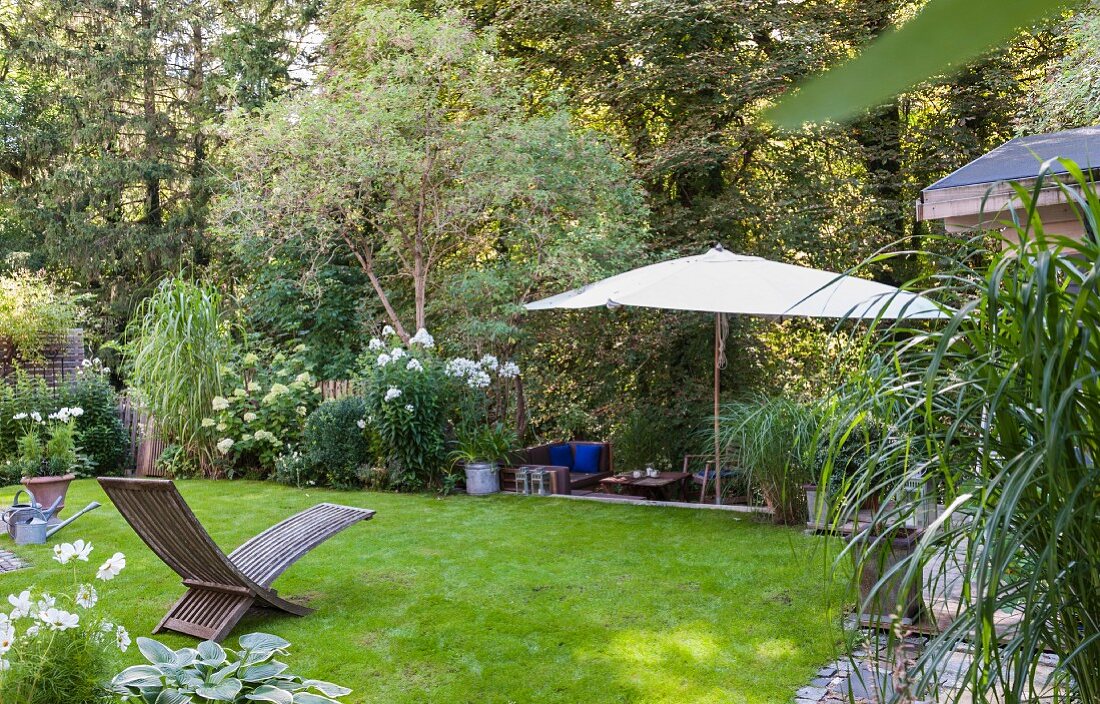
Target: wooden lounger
[{"x": 221, "y": 589}]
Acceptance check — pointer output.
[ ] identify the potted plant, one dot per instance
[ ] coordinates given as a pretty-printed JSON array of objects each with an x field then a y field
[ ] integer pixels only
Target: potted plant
[
  {"x": 480, "y": 450},
  {"x": 48, "y": 455}
]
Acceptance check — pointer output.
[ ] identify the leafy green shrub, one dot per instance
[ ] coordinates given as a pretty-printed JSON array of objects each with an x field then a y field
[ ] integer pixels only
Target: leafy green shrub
[
  {"x": 100, "y": 438},
  {"x": 32, "y": 311},
  {"x": 408, "y": 398},
  {"x": 52, "y": 646},
  {"x": 174, "y": 462},
  {"x": 266, "y": 411},
  {"x": 337, "y": 445},
  {"x": 209, "y": 673}
]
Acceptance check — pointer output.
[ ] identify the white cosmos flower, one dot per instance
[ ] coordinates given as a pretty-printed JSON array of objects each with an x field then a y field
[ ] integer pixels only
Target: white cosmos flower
[
  {"x": 122, "y": 639},
  {"x": 32, "y": 631},
  {"x": 19, "y": 416},
  {"x": 81, "y": 550},
  {"x": 7, "y": 635},
  {"x": 36, "y": 416},
  {"x": 86, "y": 596},
  {"x": 58, "y": 620},
  {"x": 63, "y": 552},
  {"x": 393, "y": 393},
  {"x": 46, "y": 603},
  {"x": 110, "y": 569},
  {"x": 21, "y": 604}
]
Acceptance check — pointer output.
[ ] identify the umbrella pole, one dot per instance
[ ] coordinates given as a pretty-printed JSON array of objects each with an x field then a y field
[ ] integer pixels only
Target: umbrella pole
[{"x": 717, "y": 390}]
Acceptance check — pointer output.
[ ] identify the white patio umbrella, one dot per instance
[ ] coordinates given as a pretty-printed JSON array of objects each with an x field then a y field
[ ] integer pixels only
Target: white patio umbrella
[{"x": 723, "y": 282}]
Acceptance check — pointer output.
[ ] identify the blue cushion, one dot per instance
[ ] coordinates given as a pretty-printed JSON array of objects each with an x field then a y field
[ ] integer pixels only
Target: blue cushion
[
  {"x": 561, "y": 456},
  {"x": 587, "y": 459}
]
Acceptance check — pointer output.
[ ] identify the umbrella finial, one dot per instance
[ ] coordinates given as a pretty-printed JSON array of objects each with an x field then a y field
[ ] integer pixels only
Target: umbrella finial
[{"x": 719, "y": 247}]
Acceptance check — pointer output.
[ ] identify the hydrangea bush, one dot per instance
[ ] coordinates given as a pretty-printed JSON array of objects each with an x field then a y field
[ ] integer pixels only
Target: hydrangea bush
[
  {"x": 264, "y": 414},
  {"x": 55, "y": 647}
]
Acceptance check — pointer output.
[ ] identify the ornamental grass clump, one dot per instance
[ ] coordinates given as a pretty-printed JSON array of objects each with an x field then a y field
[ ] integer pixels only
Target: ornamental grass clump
[
  {"x": 999, "y": 407},
  {"x": 209, "y": 673},
  {"x": 53, "y": 647}
]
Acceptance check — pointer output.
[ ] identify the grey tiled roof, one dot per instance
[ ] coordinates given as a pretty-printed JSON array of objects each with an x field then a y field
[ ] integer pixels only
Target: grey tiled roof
[{"x": 1022, "y": 157}]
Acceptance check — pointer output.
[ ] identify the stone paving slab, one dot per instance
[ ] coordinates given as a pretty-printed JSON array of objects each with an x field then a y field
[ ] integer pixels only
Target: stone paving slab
[{"x": 9, "y": 562}]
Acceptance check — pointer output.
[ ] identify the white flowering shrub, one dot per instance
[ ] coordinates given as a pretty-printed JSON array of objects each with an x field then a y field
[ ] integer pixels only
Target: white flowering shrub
[
  {"x": 56, "y": 647},
  {"x": 209, "y": 673},
  {"x": 408, "y": 402},
  {"x": 264, "y": 413}
]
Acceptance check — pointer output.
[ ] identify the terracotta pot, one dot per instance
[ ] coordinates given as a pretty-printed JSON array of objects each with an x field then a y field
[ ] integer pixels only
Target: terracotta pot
[{"x": 46, "y": 490}]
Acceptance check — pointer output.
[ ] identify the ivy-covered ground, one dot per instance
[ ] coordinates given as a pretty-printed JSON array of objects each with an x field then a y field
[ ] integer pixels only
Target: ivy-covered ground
[{"x": 503, "y": 599}]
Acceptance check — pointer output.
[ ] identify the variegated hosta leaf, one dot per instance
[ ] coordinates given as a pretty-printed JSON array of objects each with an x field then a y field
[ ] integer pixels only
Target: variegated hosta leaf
[
  {"x": 184, "y": 657},
  {"x": 227, "y": 669},
  {"x": 191, "y": 680},
  {"x": 268, "y": 693},
  {"x": 255, "y": 657},
  {"x": 210, "y": 653},
  {"x": 259, "y": 673},
  {"x": 172, "y": 696},
  {"x": 263, "y": 641},
  {"x": 138, "y": 676},
  {"x": 155, "y": 651},
  {"x": 222, "y": 692},
  {"x": 309, "y": 698},
  {"x": 327, "y": 688}
]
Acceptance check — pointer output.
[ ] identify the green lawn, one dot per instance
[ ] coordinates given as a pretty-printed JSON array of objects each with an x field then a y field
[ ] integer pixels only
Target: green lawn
[{"x": 504, "y": 599}]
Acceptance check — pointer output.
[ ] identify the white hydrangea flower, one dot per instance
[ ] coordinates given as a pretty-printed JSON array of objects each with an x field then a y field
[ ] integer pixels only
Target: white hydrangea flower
[
  {"x": 250, "y": 358},
  {"x": 220, "y": 403},
  {"x": 422, "y": 338},
  {"x": 225, "y": 445},
  {"x": 249, "y": 417},
  {"x": 392, "y": 393},
  {"x": 375, "y": 344},
  {"x": 220, "y": 427},
  {"x": 239, "y": 392},
  {"x": 276, "y": 391},
  {"x": 301, "y": 410},
  {"x": 208, "y": 423},
  {"x": 254, "y": 386},
  {"x": 509, "y": 370},
  {"x": 414, "y": 365},
  {"x": 304, "y": 378},
  {"x": 110, "y": 569}
]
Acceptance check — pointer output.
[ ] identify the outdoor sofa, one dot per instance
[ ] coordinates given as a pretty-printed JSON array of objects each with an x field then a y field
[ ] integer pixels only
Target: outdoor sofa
[{"x": 575, "y": 465}]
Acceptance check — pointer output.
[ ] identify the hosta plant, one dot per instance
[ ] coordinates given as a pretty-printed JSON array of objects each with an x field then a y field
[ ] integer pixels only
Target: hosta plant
[{"x": 210, "y": 673}]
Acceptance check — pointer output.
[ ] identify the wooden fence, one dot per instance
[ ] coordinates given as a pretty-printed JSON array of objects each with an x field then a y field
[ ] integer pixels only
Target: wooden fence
[
  {"x": 60, "y": 359},
  {"x": 146, "y": 447}
]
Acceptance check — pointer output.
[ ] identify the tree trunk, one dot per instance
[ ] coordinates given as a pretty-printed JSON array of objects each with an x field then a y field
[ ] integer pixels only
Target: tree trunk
[{"x": 152, "y": 216}]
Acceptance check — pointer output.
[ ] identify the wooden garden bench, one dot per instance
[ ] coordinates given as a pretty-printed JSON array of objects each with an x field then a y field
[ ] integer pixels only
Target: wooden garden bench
[{"x": 220, "y": 588}]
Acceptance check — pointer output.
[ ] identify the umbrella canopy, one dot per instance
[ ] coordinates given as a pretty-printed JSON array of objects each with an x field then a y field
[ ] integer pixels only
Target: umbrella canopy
[
  {"x": 722, "y": 282},
  {"x": 725, "y": 282}
]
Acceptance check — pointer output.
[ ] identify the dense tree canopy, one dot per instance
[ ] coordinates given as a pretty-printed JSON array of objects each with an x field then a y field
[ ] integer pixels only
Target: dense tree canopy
[{"x": 449, "y": 160}]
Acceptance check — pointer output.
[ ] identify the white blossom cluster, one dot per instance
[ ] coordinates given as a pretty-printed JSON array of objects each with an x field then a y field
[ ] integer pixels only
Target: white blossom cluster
[
  {"x": 45, "y": 613},
  {"x": 64, "y": 415},
  {"x": 93, "y": 366},
  {"x": 422, "y": 338},
  {"x": 478, "y": 375},
  {"x": 392, "y": 393}
]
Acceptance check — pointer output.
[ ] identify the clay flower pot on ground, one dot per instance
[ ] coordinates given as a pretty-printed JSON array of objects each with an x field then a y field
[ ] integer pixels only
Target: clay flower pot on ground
[{"x": 46, "y": 490}]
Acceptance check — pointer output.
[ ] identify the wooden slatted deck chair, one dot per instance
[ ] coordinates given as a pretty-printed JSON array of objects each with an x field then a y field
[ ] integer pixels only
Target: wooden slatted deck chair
[{"x": 220, "y": 588}]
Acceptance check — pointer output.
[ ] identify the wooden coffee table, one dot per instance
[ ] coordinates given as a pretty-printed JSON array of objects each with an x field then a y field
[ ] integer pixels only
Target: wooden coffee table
[{"x": 656, "y": 488}]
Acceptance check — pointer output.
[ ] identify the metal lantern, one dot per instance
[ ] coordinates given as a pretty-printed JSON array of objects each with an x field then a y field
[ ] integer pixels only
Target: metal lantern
[
  {"x": 523, "y": 480},
  {"x": 920, "y": 501}
]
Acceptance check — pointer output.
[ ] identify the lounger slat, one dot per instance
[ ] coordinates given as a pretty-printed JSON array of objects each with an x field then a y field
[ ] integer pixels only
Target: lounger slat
[
  {"x": 265, "y": 557},
  {"x": 221, "y": 589}
]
